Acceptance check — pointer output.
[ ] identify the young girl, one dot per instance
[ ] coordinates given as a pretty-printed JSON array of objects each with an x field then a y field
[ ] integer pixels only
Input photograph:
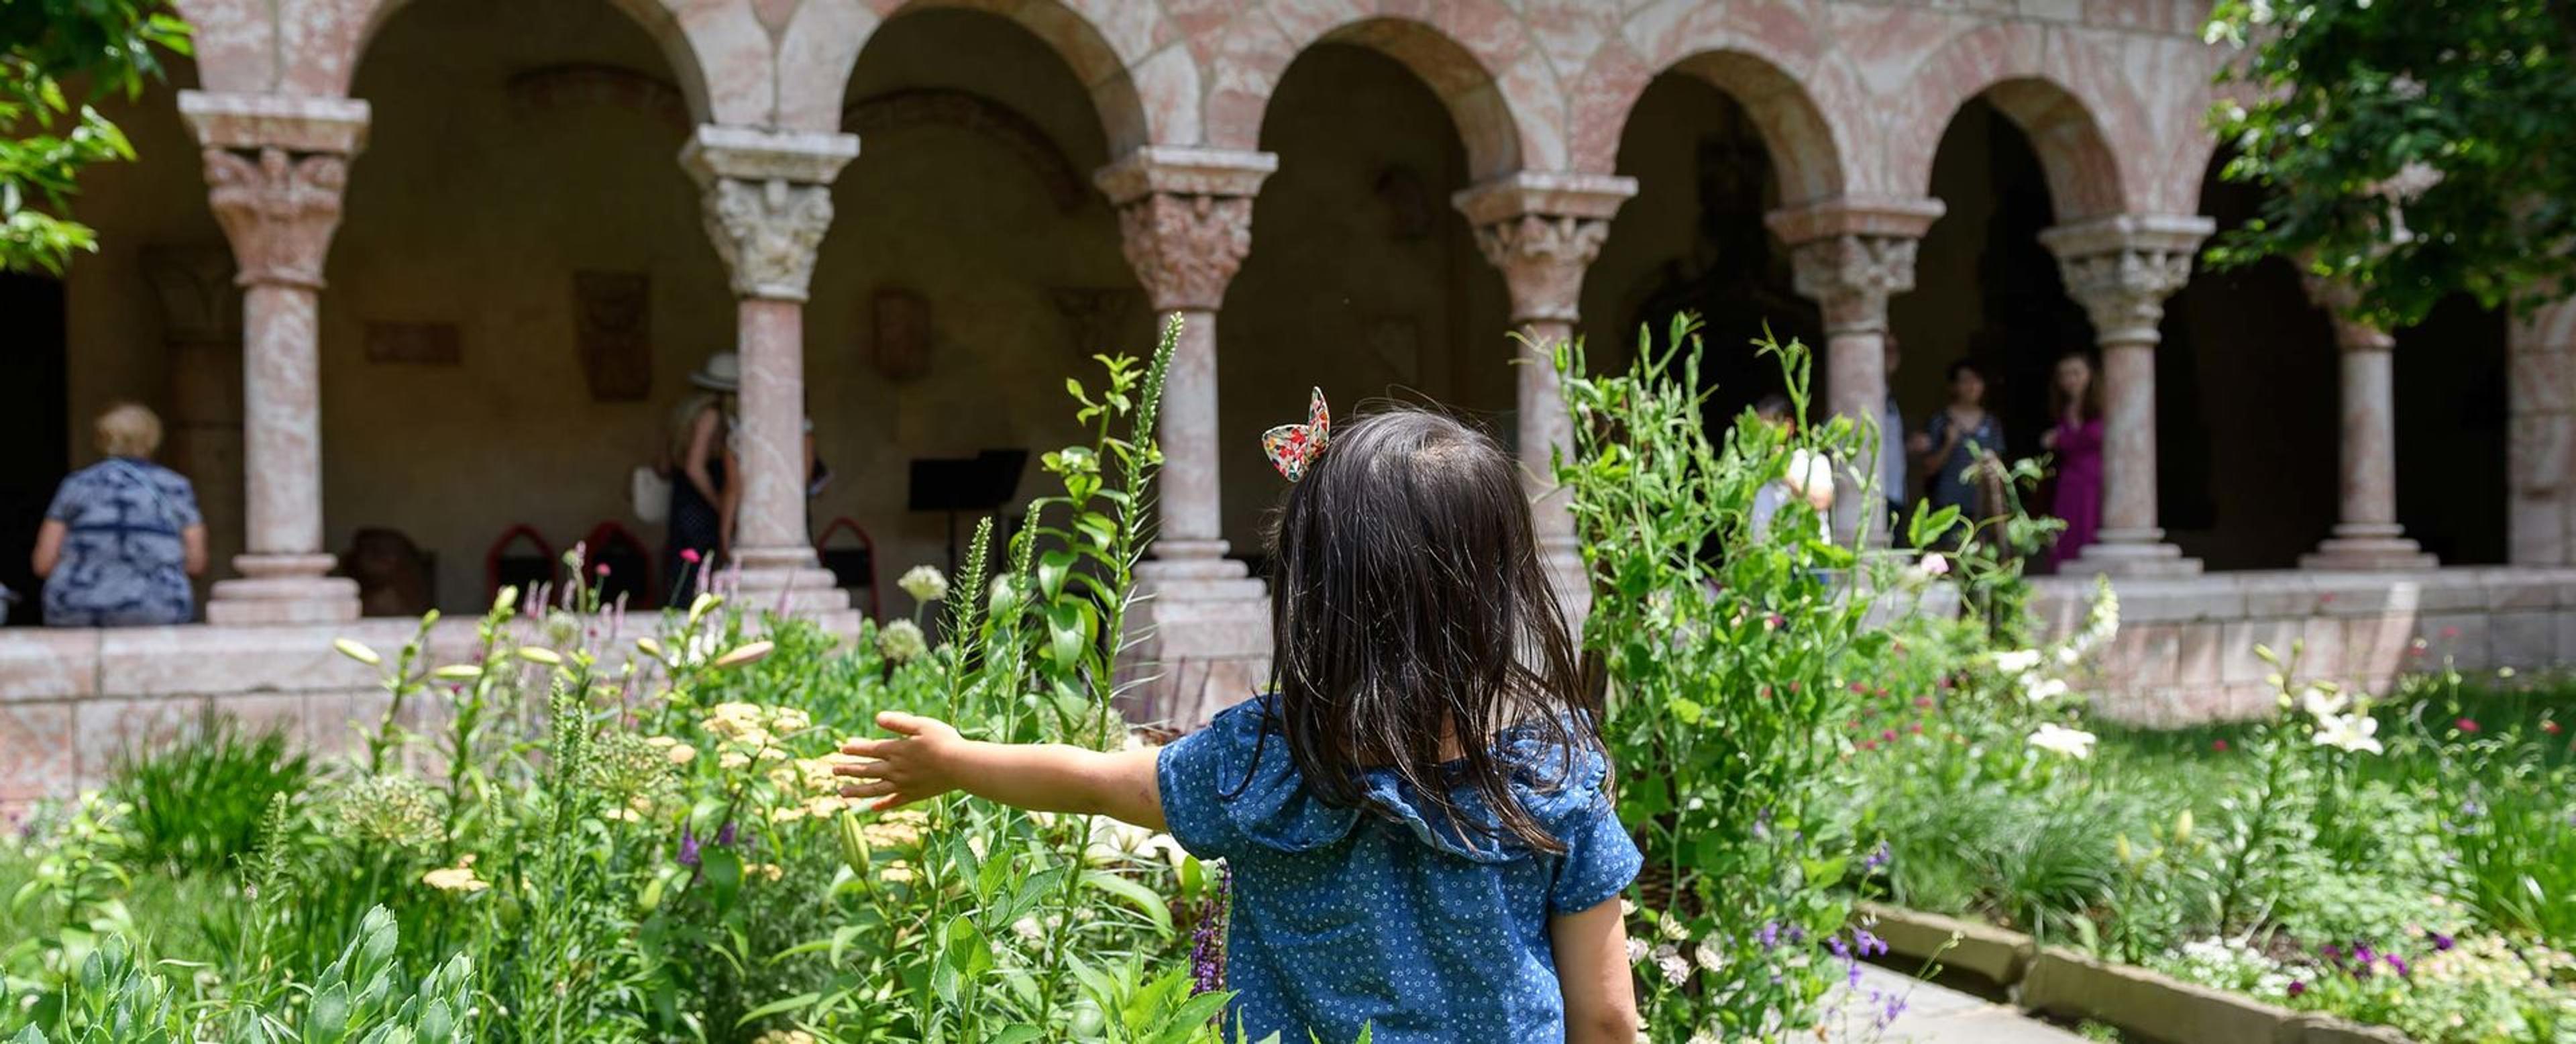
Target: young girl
[
  {"x": 2077, "y": 441},
  {"x": 1418, "y": 818}
]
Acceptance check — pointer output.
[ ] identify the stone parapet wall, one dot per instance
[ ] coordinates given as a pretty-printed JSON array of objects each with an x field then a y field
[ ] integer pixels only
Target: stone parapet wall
[
  {"x": 2185, "y": 651},
  {"x": 72, "y": 701}
]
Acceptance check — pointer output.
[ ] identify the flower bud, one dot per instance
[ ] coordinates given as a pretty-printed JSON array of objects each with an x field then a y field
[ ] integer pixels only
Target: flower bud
[{"x": 357, "y": 650}]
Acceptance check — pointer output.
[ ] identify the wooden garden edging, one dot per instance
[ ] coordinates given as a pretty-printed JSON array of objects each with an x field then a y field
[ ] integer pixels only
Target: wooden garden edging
[{"x": 2062, "y": 982}]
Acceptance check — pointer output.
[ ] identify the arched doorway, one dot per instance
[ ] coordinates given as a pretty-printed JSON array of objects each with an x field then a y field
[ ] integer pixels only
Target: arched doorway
[
  {"x": 2451, "y": 426},
  {"x": 1363, "y": 278},
  {"x": 971, "y": 269},
  {"x": 520, "y": 285}
]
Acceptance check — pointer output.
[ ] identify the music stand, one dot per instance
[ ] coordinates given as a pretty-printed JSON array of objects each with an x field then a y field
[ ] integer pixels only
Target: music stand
[{"x": 983, "y": 482}]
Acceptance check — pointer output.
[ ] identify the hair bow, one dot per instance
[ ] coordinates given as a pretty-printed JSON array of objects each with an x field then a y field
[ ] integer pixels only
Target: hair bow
[{"x": 1292, "y": 448}]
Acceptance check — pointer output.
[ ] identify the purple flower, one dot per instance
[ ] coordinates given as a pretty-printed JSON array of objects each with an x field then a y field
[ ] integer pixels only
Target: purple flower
[
  {"x": 2363, "y": 955},
  {"x": 1870, "y": 944},
  {"x": 2443, "y": 943},
  {"x": 1876, "y": 859},
  {"x": 688, "y": 847},
  {"x": 724, "y": 837},
  {"x": 2331, "y": 952},
  {"x": 1769, "y": 936},
  {"x": 1835, "y": 943},
  {"x": 2298, "y": 987},
  {"x": 2398, "y": 964},
  {"x": 1207, "y": 941}
]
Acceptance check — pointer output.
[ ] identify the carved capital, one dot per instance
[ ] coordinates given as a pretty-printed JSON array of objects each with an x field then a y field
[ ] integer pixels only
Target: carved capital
[
  {"x": 1851, "y": 276},
  {"x": 2121, "y": 269},
  {"x": 768, "y": 232},
  {"x": 1543, "y": 229},
  {"x": 768, "y": 201},
  {"x": 1185, "y": 219},
  {"x": 278, "y": 209}
]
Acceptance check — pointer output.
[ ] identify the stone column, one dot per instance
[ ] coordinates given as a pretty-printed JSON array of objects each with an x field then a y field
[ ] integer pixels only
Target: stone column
[
  {"x": 2366, "y": 535},
  {"x": 275, "y": 166},
  {"x": 768, "y": 201},
  {"x": 2121, "y": 268},
  {"x": 1185, "y": 218},
  {"x": 1851, "y": 256},
  {"x": 1543, "y": 229}
]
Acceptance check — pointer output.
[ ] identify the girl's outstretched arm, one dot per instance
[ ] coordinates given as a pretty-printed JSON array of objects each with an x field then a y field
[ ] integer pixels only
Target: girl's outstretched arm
[
  {"x": 1592, "y": 969},
  {"x": 930, "y": 759}
]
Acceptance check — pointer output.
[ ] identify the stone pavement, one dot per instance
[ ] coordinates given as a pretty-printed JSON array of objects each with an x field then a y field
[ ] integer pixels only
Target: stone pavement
[{"x": 1934, "y": 1015}]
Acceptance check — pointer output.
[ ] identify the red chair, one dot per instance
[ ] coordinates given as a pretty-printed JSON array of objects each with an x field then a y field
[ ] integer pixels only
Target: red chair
[
  {"x": 503, "y": 569},
  {"x": 853, "y": 568},
  {"x": 629, "y": 562}
]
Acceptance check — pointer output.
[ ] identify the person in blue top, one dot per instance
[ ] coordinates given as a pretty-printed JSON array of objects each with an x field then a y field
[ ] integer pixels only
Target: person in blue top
[
  {"x": 122, "y": 536},
  {"x": 1418, "y": 818}
]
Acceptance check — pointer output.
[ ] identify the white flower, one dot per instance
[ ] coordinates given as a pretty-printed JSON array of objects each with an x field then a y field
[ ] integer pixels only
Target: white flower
[
  {"x": 902, "y": 642},
  {"x": 1811, "y": 478},
  {"x": 2039, "y": 689},
  {"x": 2321, "y": 704},
  {"x": 1708, "y": 957},
  {"x": 2348, "y": 732},
  {"x": 2055, "y": 738},
  {"x": 1675, "y": 969},
  {"x": 2017, "y": 661},
  {"x": 1933, "y": 565},
  {"x": 2068, "y": 654},
  {"x": 924, "y": 583},
  {"x": 1636, "y": 950}
]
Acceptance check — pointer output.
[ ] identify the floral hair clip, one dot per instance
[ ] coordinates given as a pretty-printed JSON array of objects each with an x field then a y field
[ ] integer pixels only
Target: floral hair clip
[{"x": 1292, "y": 448}]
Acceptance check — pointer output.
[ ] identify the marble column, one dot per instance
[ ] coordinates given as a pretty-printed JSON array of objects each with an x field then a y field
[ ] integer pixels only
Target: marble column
[
  {"x": 1851, "y": 256},
  {"x": 275, "y": 167},
  {"x": 1185, "y": 222},
  {"x": 2121, "y": 268},
  {"x": 2366, "y": 533},
  {"x": 1542, "y": 229},
  {"x": 768, "y": 201}
]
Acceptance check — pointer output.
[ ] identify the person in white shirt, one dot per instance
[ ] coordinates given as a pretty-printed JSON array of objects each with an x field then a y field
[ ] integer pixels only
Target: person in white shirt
[{"x": 1891, "y": 443}]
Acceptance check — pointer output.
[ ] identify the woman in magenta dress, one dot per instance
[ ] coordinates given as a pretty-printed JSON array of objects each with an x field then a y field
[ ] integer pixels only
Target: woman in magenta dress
[{"x": 2077, "y": 442}]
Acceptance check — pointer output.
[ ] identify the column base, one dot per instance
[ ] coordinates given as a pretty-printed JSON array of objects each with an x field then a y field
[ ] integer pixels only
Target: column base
[
  {"x": 788, "y": 581},
  {"x": 1198, "y": 639},
  {"x": 283, "y": 589},
  {"x": 2142, "y": 553},
  {"x": 2371, "y": 548}
]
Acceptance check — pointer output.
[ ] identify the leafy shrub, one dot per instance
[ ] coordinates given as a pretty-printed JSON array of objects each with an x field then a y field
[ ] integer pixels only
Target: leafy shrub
[{"x": 197, "y": 805}]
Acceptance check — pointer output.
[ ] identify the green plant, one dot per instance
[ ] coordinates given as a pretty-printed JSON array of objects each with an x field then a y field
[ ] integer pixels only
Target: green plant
[
  {"x": 197, "y": 805},
  {"x": 106, "y": 45}
]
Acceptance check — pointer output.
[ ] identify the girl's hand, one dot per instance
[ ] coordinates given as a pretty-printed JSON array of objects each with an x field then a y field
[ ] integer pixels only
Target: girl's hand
[{"x": 903, "y": 770}]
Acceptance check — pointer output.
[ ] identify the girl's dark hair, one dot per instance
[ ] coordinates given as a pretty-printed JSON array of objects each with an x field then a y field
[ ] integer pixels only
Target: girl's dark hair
[
  {"x": 2092, "y": 404},
  {"x": 1409, "y": 610},
  {"x": 1964, "y": 366}
]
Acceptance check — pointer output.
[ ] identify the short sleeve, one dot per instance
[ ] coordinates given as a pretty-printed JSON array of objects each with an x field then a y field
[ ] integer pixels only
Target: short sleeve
[
  {"x": 67, "y": 499},
  {"x": 1599, "y": 861},
  {"x": 183, "y": 500},
  {"x": 1193, "y": 804}
]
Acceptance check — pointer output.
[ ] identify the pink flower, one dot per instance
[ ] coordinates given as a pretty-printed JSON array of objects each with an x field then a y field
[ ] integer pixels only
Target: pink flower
[
  {"x": 2468, "y": 725},
  {"x": 1924, "y": 702},
  {"x": 2218, "y": 745},
  {"x": 689, "y": 555},
  {"x": 2549, "y": 727},
  {"x": 601, "y": 569},
  {"x": 2449, "y": 633},
  {"x": 1887, "y": 734}
]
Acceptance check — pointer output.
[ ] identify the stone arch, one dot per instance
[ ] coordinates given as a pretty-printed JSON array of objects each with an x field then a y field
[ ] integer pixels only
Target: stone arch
[
  {"x": 718, "y": 53},
  {"x": 1475, "y": 55},
  {"x": 1765, "y": 55},
  {"x": 1142, "y": 81},
  {"x": 2061, "y": 92}
]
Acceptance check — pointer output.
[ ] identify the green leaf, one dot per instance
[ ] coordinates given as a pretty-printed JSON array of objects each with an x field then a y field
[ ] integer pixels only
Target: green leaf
[
  {"x": 1020, "y": 1033},
  {"x": 777, "y": 1007},
  {"x": 1137, "y": 895}
]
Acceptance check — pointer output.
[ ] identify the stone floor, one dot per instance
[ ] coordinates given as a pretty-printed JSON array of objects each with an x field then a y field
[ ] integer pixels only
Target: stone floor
[{"x": 1933, "y": 1015}]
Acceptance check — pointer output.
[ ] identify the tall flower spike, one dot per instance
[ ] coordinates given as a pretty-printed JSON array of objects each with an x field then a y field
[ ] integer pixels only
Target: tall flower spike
[{"x": 1292, "y": 448}]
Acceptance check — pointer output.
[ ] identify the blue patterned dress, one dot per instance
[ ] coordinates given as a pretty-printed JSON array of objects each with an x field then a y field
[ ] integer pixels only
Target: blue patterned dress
[
  {"x": 123, "y": 562},
  {"x": 1389, "y": 918}
]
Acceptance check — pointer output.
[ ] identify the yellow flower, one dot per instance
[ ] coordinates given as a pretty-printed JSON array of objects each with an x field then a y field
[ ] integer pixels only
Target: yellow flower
[
  {"x": 681, "y": 754},
  {"x": 789, "y": 719},
  {"x": 787, "y": 813},
  {"x": 540, "y": 654},
  {"x": 767, "y": 871},
  {"x": 659, "y": 741},
  {"x": 458, "y": 878},
  {"x": 732, "y": 760},
  {"x": 623, "y": 815},
  {"x": 784, "y": 1037},
  {"x": 896, "y": 872},
  {"x": 458, "y": 672}
]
